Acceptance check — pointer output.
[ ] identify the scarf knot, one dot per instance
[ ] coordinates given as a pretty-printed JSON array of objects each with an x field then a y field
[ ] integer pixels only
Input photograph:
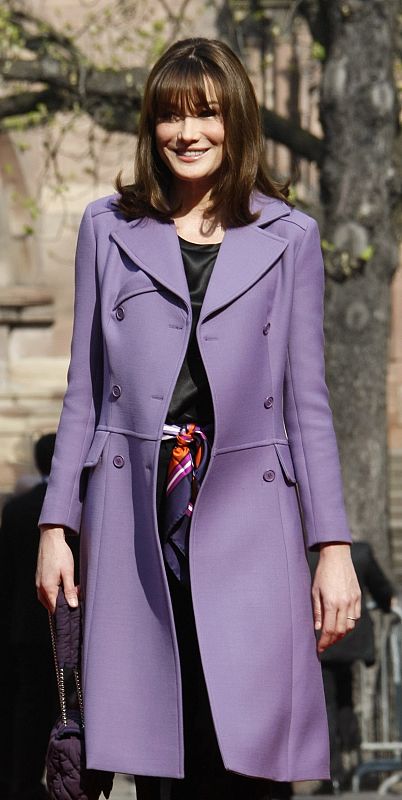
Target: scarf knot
[{"x": 186, "y": 469}]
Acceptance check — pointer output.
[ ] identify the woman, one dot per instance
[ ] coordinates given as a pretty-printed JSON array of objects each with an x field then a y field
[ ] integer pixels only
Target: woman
[{"x": 197, "y": 398}]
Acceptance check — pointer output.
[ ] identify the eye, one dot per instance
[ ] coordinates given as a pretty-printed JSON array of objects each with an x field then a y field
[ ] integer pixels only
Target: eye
[
  {"x": 208, "y": 112},
  {"x": 169, "y": 116}
]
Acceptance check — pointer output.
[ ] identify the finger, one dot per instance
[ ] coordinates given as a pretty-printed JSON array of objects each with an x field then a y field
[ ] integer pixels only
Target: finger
[
  {"x": 70, "y": 591},
  {"x": 357, "y": 608},
  {"x": 351, "y": 619},
  {"x": 350, "y": 625},
  {"x": 46, "y": 593},
  {"x": 355, "y": 602},
  {"x": 42, "y": 600},
  {"x": 48, "y": 597},
  {"x": 342, "y": 624},
  {"x": 328, "y": 634},
  {"x": 317, "y": 611},
  {"x": 354, "y": 611}
]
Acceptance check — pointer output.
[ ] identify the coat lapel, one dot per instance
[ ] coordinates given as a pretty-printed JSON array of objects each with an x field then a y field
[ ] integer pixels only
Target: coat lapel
[
  {"x": 246, "y": 253},
  {"x": 154, "y": 246}
]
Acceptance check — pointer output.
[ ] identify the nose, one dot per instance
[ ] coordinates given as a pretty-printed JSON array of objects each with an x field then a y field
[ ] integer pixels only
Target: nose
[{"x": 188, "y": 131}]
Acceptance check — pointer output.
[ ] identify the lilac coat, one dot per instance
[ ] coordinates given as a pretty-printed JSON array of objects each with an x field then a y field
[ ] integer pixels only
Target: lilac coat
[{"x": 260, "y": 335}]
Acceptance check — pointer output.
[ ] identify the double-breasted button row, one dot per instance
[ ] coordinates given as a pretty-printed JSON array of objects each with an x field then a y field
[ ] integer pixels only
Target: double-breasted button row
[
  {"x": 120, "y": 313},
  {"x": 116, "y": 390},
  {"x": 269, "y": 475},
  {"x": 268, "y": 402}
]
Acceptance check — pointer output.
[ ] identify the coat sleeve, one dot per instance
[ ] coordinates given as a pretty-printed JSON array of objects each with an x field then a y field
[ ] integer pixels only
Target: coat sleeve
[
  {"x": 307, "y": 413},
  {"x": 63, "y": 501}
]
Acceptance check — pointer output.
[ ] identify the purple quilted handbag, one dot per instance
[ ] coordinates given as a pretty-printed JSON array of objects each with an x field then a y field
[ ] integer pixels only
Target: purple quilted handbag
[{"x": 66, "y": 774}]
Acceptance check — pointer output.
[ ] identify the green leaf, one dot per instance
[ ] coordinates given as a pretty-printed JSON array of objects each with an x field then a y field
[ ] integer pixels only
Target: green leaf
[
  {"x": 367, "y": 253},
  {"x": 327, "y": 246},
  {"x": 159, "y": 25},
  {"x": 318, "y": 51},
  {"x": 292, "y": 197}
]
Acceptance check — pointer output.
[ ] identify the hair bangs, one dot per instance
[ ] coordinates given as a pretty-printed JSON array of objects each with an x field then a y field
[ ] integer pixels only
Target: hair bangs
[{"x": 186, "y": 86}]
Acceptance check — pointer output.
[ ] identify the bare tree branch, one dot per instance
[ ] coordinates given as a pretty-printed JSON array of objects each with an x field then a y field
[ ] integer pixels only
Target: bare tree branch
[
  {"x": 127, "y": 83},
  {"x": 301, "y": 142},
  {"x": 26, "y": 102},
  {"x": 44, "y": 33},
  {"x": 111, "y": 97}
]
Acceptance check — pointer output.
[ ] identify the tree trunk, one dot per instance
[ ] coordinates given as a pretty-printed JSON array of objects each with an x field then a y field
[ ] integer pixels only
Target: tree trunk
[{"x": 359, "y": 116}]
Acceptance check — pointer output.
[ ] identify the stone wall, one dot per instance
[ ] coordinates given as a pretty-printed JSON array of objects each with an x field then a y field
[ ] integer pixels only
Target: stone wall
[{"x": 36, "y": 269}]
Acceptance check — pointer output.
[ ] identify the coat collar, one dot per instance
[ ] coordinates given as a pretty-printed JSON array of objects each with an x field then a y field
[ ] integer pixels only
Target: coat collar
[{"x": 245, "y": 254}]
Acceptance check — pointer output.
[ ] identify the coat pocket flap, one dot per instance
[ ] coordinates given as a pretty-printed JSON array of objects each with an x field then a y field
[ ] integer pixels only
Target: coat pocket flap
[
  {"x": 96, "y": 448},
  {"x": 136, "y": 285},
  {"x": 285, "y": 460}
]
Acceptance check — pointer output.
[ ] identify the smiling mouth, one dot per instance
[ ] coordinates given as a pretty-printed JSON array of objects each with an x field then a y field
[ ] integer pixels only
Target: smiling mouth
[{"x": 191, "y": 153}]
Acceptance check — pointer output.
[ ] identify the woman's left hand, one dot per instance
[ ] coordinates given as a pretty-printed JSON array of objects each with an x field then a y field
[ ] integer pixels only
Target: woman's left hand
[{"x": 336, "y": 594}]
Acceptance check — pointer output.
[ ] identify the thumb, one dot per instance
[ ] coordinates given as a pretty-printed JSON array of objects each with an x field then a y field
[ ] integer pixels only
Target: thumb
[{"x": 317, "y": 612}]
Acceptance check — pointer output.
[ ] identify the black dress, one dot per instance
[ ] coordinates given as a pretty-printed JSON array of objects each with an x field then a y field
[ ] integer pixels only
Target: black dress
[{"x": 205, "y": 775}]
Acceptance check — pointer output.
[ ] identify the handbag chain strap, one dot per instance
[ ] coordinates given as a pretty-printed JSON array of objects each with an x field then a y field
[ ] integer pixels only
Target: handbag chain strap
[
  {"x": 59, "y": 672},
  {"x": 60, "y": 678},
  {"x": 79, "y": 694}
]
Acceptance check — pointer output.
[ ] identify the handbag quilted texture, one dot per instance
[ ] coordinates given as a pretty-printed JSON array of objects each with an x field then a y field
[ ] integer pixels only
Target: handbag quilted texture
[{"x": 67, "y": 777}]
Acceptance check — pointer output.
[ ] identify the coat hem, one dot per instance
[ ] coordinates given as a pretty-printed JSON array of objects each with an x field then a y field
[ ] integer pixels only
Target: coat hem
[
  {"x": 319, "y": 775},
  {"x": 104, "y": 765}
]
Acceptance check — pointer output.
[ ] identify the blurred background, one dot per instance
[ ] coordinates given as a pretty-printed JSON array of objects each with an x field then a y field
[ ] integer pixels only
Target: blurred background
[{"x": 328, "y": 77}]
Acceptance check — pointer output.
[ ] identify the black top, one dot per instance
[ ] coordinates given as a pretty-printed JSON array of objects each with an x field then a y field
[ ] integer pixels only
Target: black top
[{"x": 191, "y": 398}]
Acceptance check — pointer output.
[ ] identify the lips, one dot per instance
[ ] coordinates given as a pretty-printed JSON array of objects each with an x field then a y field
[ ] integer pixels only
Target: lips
[{"x": 191, "y": 153}]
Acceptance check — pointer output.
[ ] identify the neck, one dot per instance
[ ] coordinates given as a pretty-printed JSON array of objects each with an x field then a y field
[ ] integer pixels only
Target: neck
[
  {"x": 193, "y": 198},
  {"x": 190, "y": 219}
]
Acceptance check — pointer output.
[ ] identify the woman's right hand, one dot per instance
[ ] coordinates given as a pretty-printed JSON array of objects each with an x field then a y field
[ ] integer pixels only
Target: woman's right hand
[{"x": 55, "y": 566}]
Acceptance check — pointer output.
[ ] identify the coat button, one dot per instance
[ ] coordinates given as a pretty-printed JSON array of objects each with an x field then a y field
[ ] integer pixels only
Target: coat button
[
  {"x": 116, "y": 390},
  {"x": 268, "y": 402},
  {"x": 119, "y": 313},
  {"x": 266, "y": 328},
  {"x": 118, "y": 461},
  {"x": 269, "y": 475}
]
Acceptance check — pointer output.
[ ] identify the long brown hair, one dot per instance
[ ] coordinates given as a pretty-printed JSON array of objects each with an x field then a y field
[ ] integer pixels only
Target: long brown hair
[{"x": 178, "y": 80}]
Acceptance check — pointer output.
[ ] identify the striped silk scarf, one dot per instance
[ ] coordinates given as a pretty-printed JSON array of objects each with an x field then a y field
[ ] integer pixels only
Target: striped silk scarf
[{"x": 186, "y": 469}]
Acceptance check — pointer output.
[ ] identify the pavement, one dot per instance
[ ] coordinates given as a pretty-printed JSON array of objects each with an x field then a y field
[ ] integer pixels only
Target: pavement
[{"x": 124, "y": 789}]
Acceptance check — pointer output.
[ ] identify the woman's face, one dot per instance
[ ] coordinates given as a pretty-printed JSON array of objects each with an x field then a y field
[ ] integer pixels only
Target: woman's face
[{"x": 191, "y": 143}]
